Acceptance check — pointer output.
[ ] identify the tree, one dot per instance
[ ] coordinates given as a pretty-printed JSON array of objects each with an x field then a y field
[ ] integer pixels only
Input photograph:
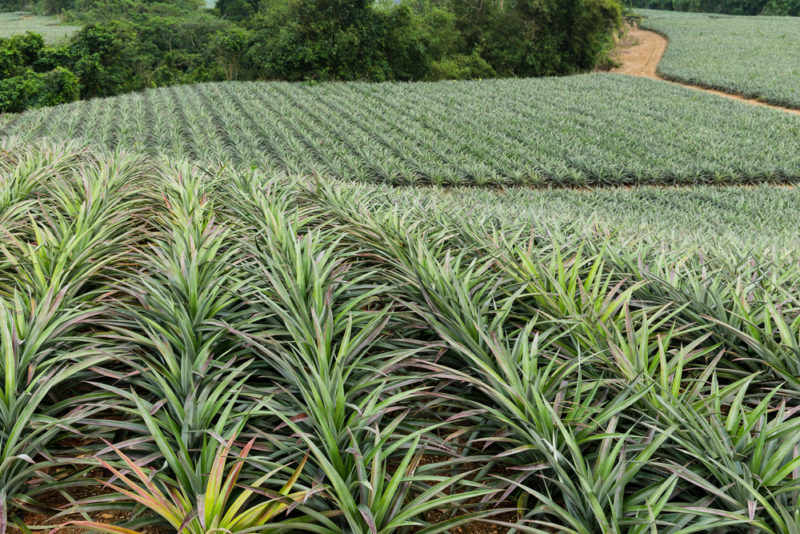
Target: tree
[
  {"x": 103, "y": 59},
  {"x": 228, "y": 47},
  {"x": 237, "y": 9},
  {"x": 321, "y": 40}
]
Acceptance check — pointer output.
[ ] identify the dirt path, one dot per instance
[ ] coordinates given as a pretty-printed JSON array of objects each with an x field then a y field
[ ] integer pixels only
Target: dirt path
[{"x": 640, "y": 51}]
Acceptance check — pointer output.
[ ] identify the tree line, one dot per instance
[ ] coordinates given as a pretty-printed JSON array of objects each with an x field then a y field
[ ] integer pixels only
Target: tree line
[{"x": 130, "y": 45}]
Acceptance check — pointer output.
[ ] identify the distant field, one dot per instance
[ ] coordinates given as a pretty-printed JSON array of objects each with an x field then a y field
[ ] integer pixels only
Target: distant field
[
  {"x": 577, "y": 131},
  {"x": 758, "y": 57},
  {"x": 49, "y": 27}
]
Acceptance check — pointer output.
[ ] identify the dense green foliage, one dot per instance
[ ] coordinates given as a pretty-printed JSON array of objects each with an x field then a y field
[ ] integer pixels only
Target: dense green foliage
[
  {"x": 758, "y": 57},
  {"x": 234, "y": 345},
  {"x": 28, "y": 77},
  {"x": 416, "y": 39},
  {"x": 105, "y": 9},
  {"x": 575, "y": 131},
  {"x": 129, "y": 45},
  {"x": 729, "y": 7},
  {"x": 219, "y": 314}
]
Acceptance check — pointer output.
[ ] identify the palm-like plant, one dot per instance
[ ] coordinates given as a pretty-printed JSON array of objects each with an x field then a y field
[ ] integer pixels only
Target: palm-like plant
[
  {"x": 324, "y": 338},
  {"x": 51, "y": 296},
  {"x": 226, "y": 504},
  {"x": 40, "y": 354},
  {"x": 388, "y": 360}
]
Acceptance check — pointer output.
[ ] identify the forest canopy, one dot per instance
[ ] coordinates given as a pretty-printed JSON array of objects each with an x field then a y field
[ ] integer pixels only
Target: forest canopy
[{"x": 130, "y": 45}]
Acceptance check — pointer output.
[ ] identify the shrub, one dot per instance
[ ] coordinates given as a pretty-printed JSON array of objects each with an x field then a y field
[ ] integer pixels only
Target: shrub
[
  {"x": 461, "y": 67},
  {"x": 32, "y": 89}
]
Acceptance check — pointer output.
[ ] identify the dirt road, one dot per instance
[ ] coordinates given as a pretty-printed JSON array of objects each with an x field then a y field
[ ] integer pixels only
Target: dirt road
[{"x": 640, "y": 51}]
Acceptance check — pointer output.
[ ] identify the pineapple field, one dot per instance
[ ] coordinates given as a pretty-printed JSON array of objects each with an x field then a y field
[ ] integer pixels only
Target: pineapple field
[
  {"x": 51, "y": 28},
  {"x": 549, "y": 305},
  {"x": 199, "y": 349},
  {"x": 757, "y": 57},
  {"x": 576, "y": 131}
]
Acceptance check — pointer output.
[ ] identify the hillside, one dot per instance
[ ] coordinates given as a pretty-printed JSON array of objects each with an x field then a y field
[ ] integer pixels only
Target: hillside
[
  {"x": 507, "y": 306},
  {"x": 586, "y": 130}
]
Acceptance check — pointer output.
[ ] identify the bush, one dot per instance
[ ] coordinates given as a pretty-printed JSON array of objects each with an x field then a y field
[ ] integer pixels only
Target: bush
[
  {"x": 58, "y": 86},
  {"x": 228, "y": 48},
  {"x": 419, "y": 38},
  {"x": 103, "y": 56},
  {"x": 782, "y": 7},
  {"x": 237, "y": 9},
  {"x": 33, "y": 89},
  {"x": 18, "y": 52},
  {"x": 539, "y": 37},
  {"x": 461, "y": 67}
]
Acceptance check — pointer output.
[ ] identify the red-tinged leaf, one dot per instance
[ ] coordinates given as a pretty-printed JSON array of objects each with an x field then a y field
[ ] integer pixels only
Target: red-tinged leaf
[
  {"x": 201, "y": 510},
  {"x": 294, "y": 419},
  {"x": 217, "y": 470},
  {"x": 230, "y": 481},
  {"x": 511, "y": 487},
  {"x": 463, "y": 414},
  {"x": 455, "y": 434},
  {"x": 367, "y": 515},
  {"x": 126, "y": 443},
  {"x": 714, "y": 512},
  {"x": 145, "y": 499},
  {"x": 511, "y": 452},
  {"x": 132, "y": 485},
  {"x": 138, "y": 494},
  {"x": 289, "y": 483},
  {"x": 99, "y": 527},
  {"x": 104, "y": 372},
  {"x": 3, "y": 512},
  {"x": 189, "y": 518},
  {"x": 156, "y": 493},
  {"x": 751, "y": 509},
  {"x": 157, "y": 406},
  {"x": 531, "y": 467}
]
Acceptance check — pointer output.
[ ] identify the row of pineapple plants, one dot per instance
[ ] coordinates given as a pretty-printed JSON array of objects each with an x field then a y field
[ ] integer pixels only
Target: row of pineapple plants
[
  {"x": 213, "y": 350},
  {"x": 577, "y": 131}
]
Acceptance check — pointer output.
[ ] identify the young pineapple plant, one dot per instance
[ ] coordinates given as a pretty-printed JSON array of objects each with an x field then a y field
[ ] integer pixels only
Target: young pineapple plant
[
  {"x": 54, "y": 290},
  {"x": 227, "y": 503},
  {"x": 209, "y": 349}
]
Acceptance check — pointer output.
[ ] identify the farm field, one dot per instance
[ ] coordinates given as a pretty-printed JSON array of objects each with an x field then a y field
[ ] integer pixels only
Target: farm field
[
  {"x": 376, "y": 358},
  {"x": 48, "y": 27},
  {"x": 576, "y": 131},
  {"x": 757, "y": 57},
  {"x": 513, "y": 306}
]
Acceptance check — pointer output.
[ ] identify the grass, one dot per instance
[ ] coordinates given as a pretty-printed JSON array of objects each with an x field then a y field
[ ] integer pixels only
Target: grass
[
  {"x": 224, "y": 348},
  {"x": 49, "y": 27},
  {"x": 757, "y": 57},
  {"x": 590, "y": 130}
]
